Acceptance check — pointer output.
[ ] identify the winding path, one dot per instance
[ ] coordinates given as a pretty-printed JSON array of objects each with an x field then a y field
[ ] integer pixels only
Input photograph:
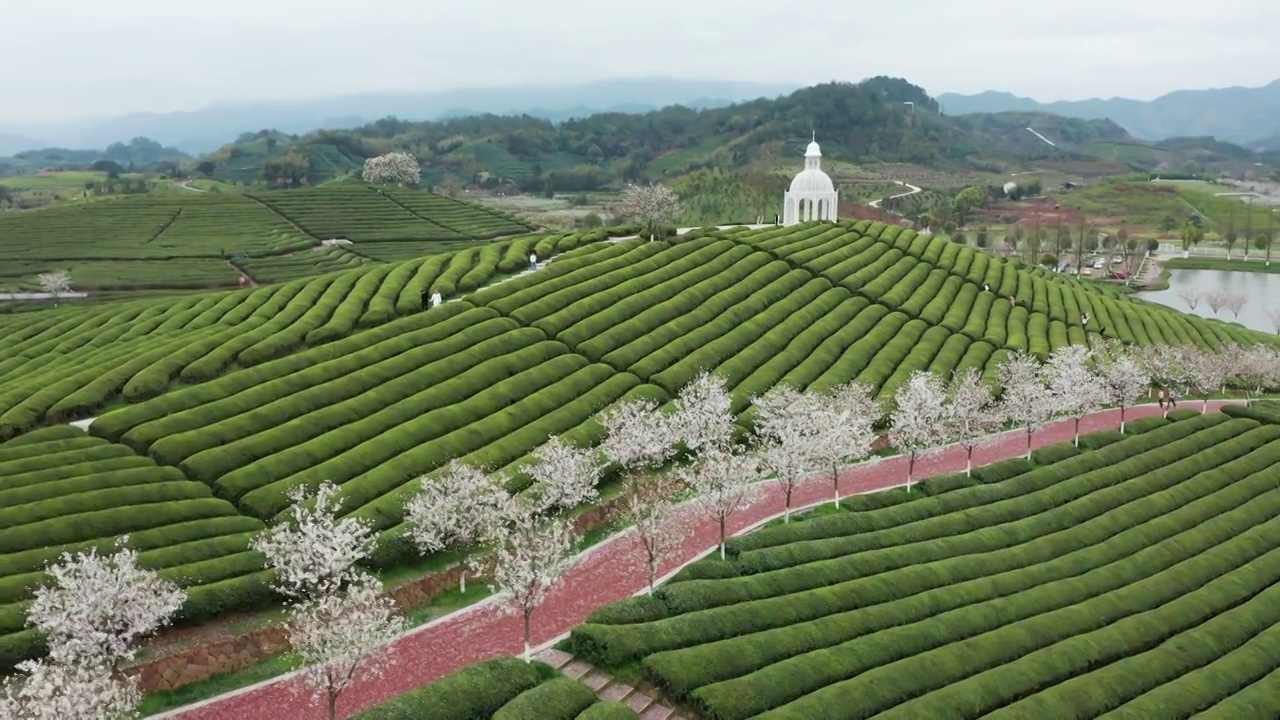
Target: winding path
[
  {"x": 604, "y": 573},
  {"x": 876, "y": 203}
]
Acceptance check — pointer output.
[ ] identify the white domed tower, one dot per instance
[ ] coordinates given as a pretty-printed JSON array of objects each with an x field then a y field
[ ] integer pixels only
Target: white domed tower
[{"x": 812, "y": 195}]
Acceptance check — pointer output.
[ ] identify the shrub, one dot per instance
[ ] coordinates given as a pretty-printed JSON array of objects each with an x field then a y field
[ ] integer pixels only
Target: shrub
[{"x": 477, "y": 691}]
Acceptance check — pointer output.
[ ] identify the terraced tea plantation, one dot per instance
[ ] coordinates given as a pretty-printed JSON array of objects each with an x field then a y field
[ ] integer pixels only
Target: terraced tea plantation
[
  {"x": 61, "y": 490},
  {"x": 1137, "y": 580},
  {"x": 346, "y": 378},
  {"x": 184, "y": 241}
]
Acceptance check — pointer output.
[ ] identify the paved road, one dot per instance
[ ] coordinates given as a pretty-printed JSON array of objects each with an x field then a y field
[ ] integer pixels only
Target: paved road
[
  {"x": 605, "y": 573},
  {"x": 913, "y": 191}
]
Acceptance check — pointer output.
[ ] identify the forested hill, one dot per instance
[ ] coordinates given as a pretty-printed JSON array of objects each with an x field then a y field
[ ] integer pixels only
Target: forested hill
[{"x": 881, "y": 119}]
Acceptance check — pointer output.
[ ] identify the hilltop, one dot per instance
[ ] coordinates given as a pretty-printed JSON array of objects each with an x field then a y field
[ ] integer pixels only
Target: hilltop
[
  {"x": 877, "y": 120},
  {"x": 1236, "y": 114}
]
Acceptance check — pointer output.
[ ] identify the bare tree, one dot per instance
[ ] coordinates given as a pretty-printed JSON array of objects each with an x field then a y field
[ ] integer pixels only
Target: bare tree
[
  {"x": 1025, "y": 400},
  {"x": 532, "y": 555},
  {"x": 1191, "y": 296},
  {"x": 395, "y": 167},
  {"x": 55, "y": 284},
  {"x": 1274, "y": 316},
  {"x": 1077, "y": 390},
  {"x": 721, "y": 479},
  {"x": 650, "y": 205},
  {"x": 460, "y": 508},
  {"x": 847, "y": 426},
  {"x": 919, "y": 420},
  {"x": 1216, "y": 299},
  {"x": 1235, "y": 302},
  {"x": 974, "y": 413}
]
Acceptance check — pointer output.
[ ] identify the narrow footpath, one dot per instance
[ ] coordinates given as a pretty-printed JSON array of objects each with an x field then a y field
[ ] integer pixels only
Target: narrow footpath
[{"x": 605, "y": 573}]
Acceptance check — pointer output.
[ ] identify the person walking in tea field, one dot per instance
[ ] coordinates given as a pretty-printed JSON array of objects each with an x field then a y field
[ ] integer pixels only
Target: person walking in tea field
[{"x": 533, "y": 260}]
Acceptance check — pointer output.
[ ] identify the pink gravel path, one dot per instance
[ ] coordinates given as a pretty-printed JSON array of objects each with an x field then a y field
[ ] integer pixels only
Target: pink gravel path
[{"x": 603, "y": 574}]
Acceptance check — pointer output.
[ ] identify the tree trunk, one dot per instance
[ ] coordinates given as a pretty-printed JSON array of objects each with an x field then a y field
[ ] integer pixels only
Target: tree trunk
[
  {"x": 786, "y": 512},
  {"x": 835, "y": 482},
  {"x": 528, "y": 656},
  {"x": 1077, "y": 431},
  {"x": 1122, "y": 419},
  {"x": 968, "y": 461},
  {"x": 462, "y": 581},
  {"x": 1029, "y": 431},
  {"x": 333, "y": 704},
  {"x": 911, "y": 470},
  {"x": 722, "y": 535},
  {"x": 1206, "y": 403}
]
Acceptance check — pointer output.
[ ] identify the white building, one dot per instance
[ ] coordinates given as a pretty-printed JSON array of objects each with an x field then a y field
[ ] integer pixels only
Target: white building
[{"x": 812, "y": 195}]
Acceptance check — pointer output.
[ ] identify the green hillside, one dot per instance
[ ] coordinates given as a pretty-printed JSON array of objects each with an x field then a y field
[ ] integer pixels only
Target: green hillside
[
  {"x": 344, "y": 377},
  {"x": 185, "y": 241},
  {"x": 1138, "y": 578},
  {"x": 877, "y": 120}
]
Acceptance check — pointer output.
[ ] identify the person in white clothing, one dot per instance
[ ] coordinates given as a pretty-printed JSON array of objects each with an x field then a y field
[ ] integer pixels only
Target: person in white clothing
[{"x": 435, "y": 299}]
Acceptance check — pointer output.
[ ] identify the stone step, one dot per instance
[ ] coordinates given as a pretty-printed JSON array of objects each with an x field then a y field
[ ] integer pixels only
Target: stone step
[{"x": 605, "y": 687}]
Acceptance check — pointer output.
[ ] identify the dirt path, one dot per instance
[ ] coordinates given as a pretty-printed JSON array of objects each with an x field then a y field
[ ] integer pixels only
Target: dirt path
[{"x": 603, "y": 574}]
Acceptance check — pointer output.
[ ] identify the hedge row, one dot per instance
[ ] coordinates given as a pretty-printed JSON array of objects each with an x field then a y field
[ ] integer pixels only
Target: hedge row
[
  {"x": 652, "y": 354},
  {"x": 475, "y": 692},
  {"x": 638, "y": 325},
  {"x": 386, "y": 422},
  {"x": 559, "y": 699},
  {"x": 1051, "y": 646},
  {"x": 226, "y": 444},
  {"x": 704, "y": 611},
  {"x": 1188, "y": 671},
  {"x": 507, "y": 432},
  {"x": 142, "y": 424},
  {"x": 1160, "y": 535},
  {"x": 841, "y": 525}
]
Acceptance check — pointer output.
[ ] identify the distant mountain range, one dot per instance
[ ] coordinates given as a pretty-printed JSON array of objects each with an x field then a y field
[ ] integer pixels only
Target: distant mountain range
[
  {"x": 10, "y": 143},
  {"x": 207, "y": 129},
  {"x": 1237, "y": 114}
]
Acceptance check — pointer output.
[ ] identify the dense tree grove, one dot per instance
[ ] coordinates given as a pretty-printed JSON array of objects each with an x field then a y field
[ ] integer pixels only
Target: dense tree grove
[{"x": 880, "y": 119}]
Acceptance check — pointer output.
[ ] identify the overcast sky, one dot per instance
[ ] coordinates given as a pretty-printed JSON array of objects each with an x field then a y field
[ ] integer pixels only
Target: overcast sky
[{"x": 75, "y": 58}]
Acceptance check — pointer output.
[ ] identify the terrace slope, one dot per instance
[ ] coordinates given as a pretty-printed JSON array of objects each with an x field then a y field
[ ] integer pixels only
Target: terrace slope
[
  {"x": 184, "y": 240},
  {"x": 1138, "y": 578},
  {"x": 346, "y": 378}
]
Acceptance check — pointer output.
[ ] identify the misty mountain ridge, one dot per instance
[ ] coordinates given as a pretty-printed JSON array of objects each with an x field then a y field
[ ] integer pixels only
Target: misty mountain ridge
[
  {"x": 204, "y": 130},
  {"x": 1239, "y": 115}
]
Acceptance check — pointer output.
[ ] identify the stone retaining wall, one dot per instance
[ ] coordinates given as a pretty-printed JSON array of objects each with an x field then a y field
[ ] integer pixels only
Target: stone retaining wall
[{"x": 223, "y": 656}]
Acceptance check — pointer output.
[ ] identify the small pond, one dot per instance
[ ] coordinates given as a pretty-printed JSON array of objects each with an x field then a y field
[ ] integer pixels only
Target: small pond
[{"x": 1262, "y": 290}]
